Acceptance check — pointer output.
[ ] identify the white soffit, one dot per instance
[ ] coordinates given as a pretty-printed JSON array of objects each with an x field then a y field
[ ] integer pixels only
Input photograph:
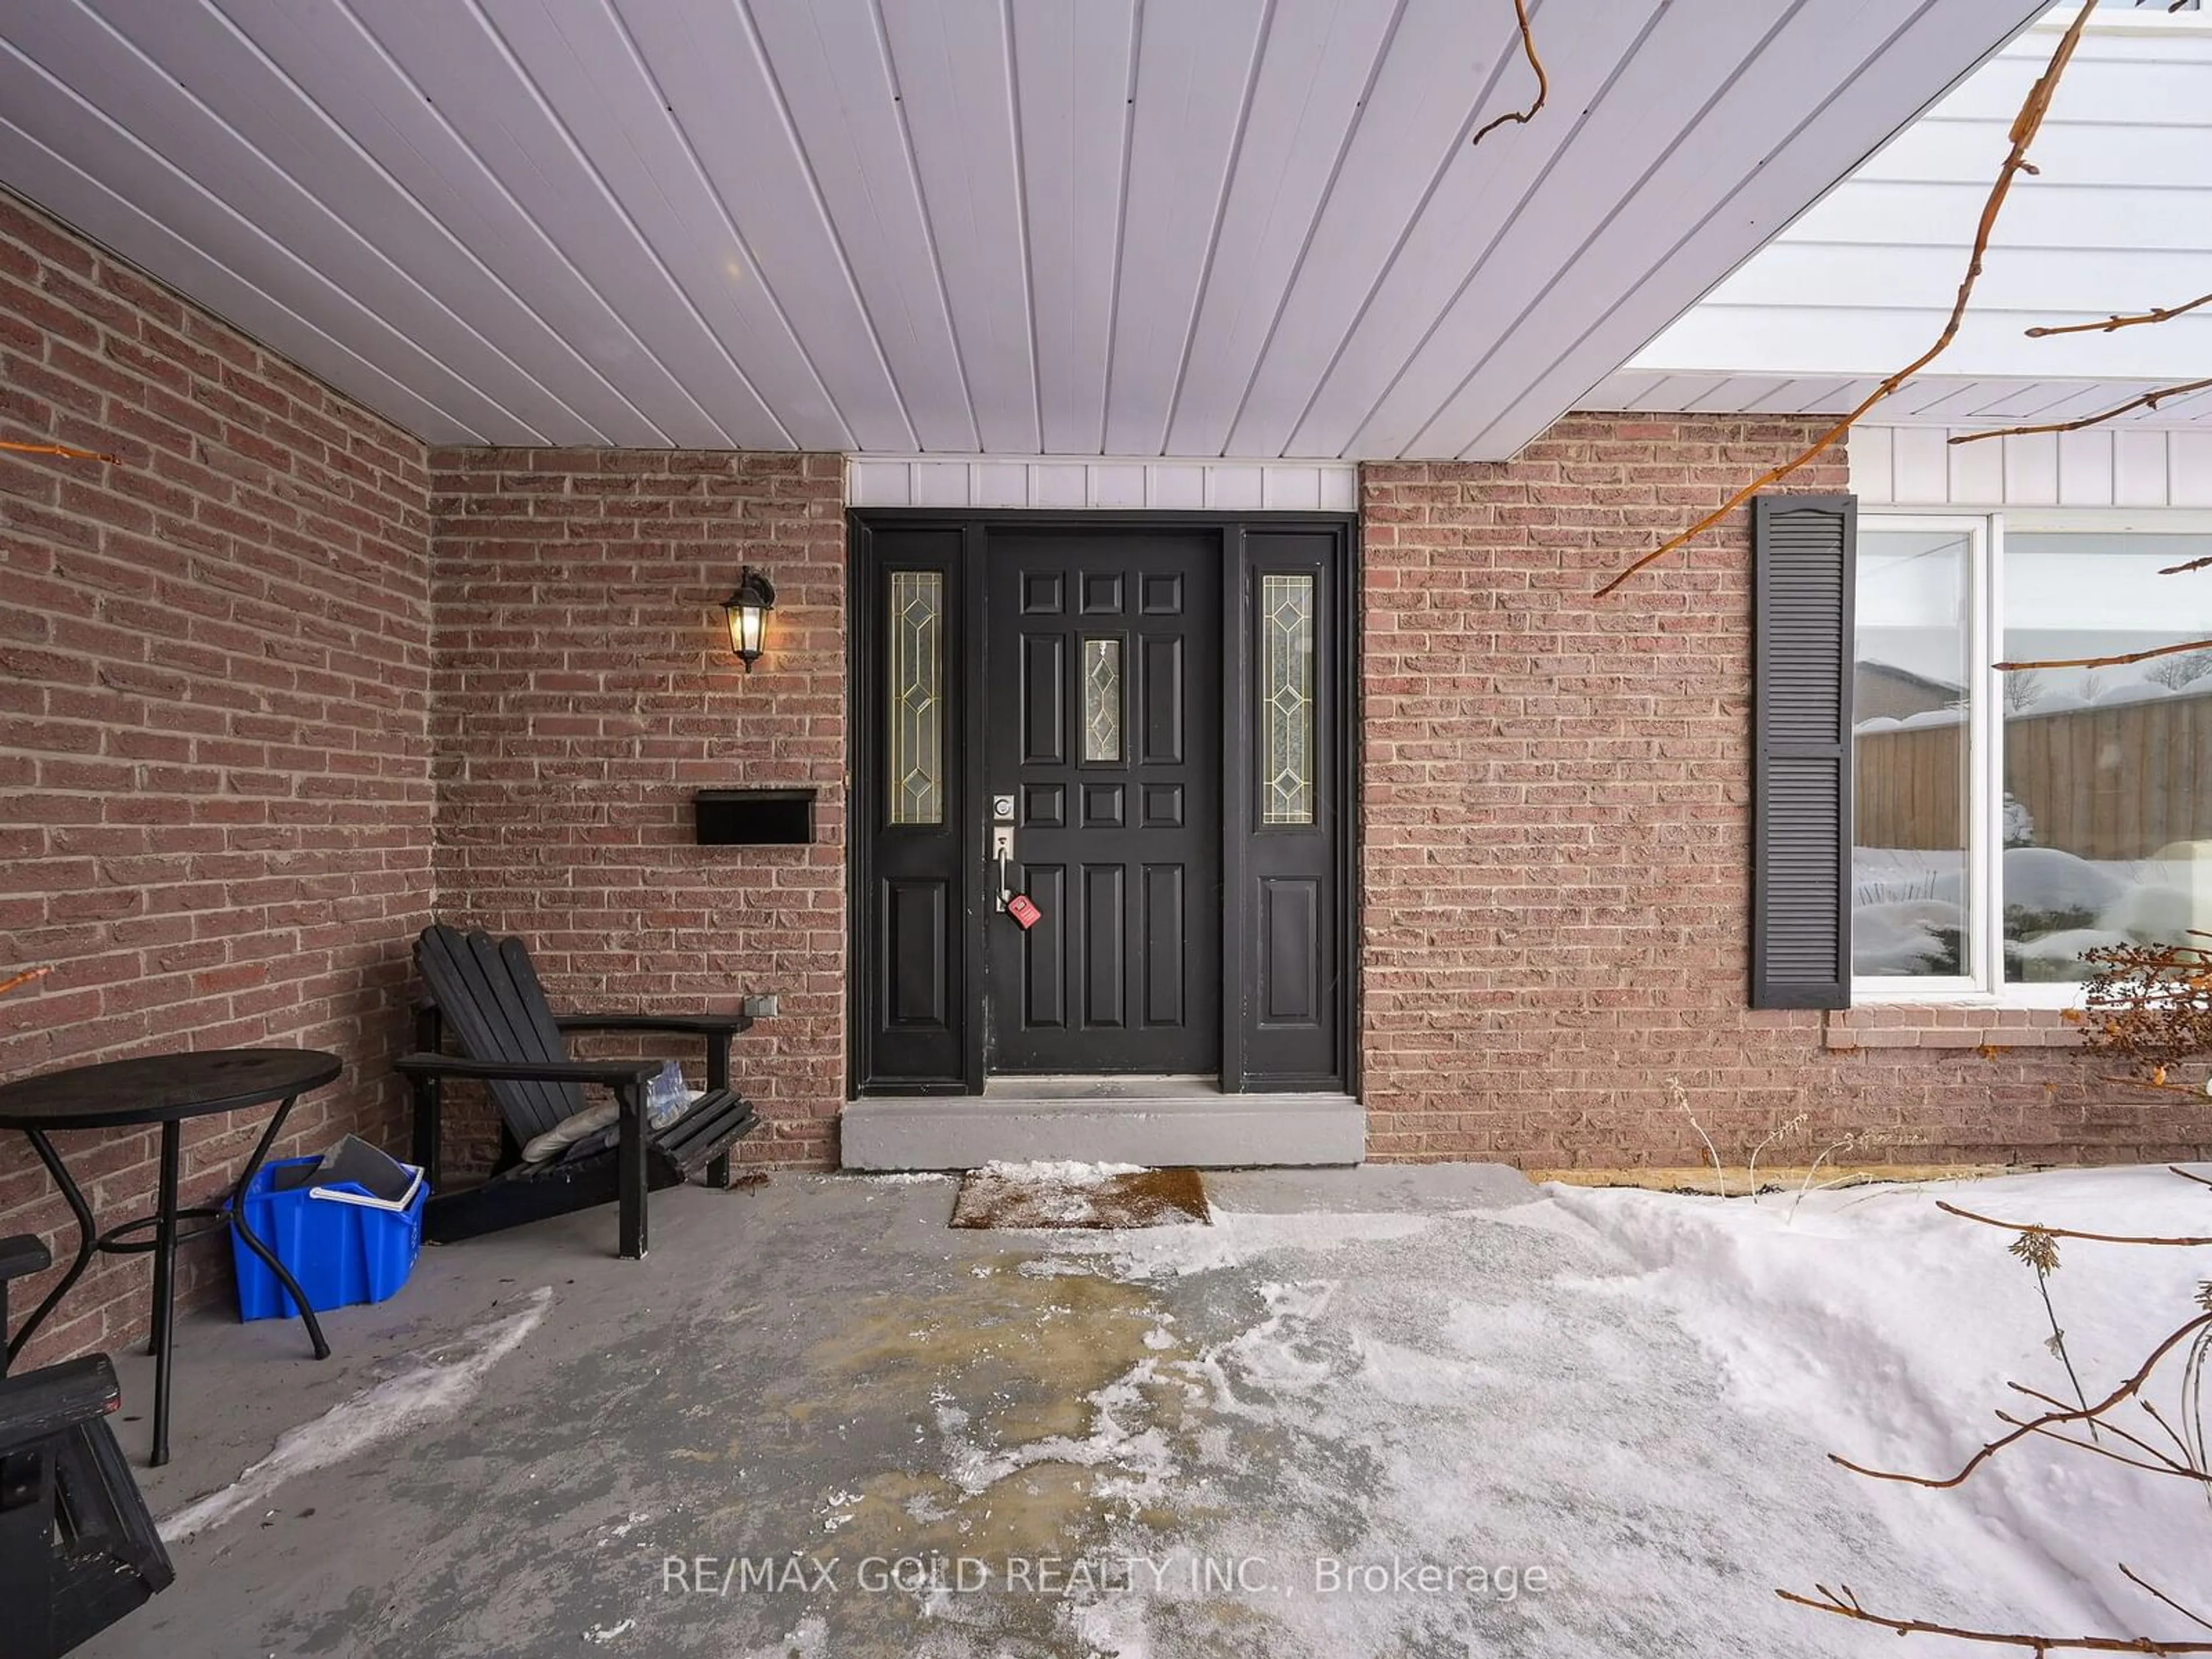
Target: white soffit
[
  {"x": 1936, "y": 401},
  {"x": 1027, "y": 226},
  {"x": 2117, "y": 218}
]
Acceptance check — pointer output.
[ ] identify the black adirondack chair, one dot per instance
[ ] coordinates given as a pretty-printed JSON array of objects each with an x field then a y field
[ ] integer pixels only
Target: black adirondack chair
[
  {"x": 77, "y": 1546},
  {"x": 486, "y": 993}
]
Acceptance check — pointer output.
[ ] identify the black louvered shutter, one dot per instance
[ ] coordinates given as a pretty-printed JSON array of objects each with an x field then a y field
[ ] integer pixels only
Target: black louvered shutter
[{"x": 1800, "y": 868}]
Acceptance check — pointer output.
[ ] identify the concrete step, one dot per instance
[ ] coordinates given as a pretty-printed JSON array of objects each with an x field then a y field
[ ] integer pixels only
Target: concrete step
[{"x": 1158, "y": 1122}]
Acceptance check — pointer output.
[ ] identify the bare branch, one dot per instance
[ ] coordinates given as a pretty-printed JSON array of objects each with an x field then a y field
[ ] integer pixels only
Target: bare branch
[
  {"x": 2043, "y": 1424},
  {"x": 2135, "y": 1577},
  {"x": 2060, "y": 1232},
  {"x": 1830, "y": 1601},
  {"x": 2149, "y": 400},
  {"x": 23, "y": 978},
  {"x": 2183, "y": 569},
  {"x": 64, "y": 451},
  {"x": 2164, "y": 1465},
  {"x": 2025, "y": 126},
  {"x": 2119, "y": 660},
  {"x": 1521, "y": 117},
  {"x": 2133, "y": 319},
  {"x": 2175, "y": 1168}
]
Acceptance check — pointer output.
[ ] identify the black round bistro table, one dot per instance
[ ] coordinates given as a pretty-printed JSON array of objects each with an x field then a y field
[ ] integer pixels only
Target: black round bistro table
[{"x": 167, "y": 1089}]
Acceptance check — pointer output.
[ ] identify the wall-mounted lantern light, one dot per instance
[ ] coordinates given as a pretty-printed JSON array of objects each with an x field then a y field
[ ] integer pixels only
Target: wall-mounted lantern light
[{"x": 748, "y": 609}]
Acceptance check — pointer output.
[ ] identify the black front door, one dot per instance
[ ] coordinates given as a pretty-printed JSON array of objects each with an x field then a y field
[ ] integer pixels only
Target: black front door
[
  {"x": 1103, "y": 724},
  {"x": 1163, "y": 705}
]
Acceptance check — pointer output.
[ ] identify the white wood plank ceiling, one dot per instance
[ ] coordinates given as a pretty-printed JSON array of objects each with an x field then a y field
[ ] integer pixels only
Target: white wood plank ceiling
[
  {"x": 2119, "y": 217},
  {"x": 1136, "y": 227}
]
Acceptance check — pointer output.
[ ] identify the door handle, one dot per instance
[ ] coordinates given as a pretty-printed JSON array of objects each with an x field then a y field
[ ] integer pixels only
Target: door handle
[{"x": 1002, "y": 849}]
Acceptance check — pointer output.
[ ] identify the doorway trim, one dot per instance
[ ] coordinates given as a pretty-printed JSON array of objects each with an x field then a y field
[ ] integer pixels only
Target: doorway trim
[{"x": 964, "y": 537}]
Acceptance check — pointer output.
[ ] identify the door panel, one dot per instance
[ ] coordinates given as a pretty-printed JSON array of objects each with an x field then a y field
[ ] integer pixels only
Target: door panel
[
  {"x": 913, "y": 899},
  {"x": 1290, "y": 951},
  {"x": 917, "y": 945},
  {"x": 1110, "y": 744},
  {"x": 1293, "y": 813}
]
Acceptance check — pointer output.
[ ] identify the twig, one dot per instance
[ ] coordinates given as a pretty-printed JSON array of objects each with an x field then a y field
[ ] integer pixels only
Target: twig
[
  {"x": 2060, "y": 1232},
  {"x": 1521, "y": 117},
  {"x": 2135, "y": 1577},
  {"x": 1681, "y": 1098},
  {"x": 1850, "y": 1608},
  {"x": 1780, "y": 1131},
  {"x": 64, "y": 451},
  {"x": 2056, "y": 1404},
  {"x": 2166, "y": 1464},
  {"x": 2042, "y": 1425},
  {"x": 23, "y": 978},
  {"x": 2183, "y": 569},
  {"x": 2149, "y": 400},
  {"x": 2119, "y": 661},
  {"x": 2187, "y": 1458},
  {"x": 2133, "y": 319},
  {"x": 2024, "y": 128},
  {"x": 2043, "y": 1260},
  {"x": 1806, "y": 1185}
]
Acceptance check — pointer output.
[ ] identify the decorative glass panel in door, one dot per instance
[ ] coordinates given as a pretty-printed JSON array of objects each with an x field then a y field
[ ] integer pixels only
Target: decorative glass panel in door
[
  {"x": 915, "y": 694},
  {"x": 1286, "y": 685}
]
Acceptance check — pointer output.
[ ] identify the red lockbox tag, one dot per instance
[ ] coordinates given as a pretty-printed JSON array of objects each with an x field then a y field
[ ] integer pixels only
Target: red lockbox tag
[{"x": 1023, "y": 911}]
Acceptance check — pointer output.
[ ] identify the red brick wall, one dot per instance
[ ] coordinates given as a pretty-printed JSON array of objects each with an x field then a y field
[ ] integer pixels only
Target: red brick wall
[
  {"x": 214, "y": 791},
  {"x": 1556, "y": 799},
  {"x": 586, "y": 689}
]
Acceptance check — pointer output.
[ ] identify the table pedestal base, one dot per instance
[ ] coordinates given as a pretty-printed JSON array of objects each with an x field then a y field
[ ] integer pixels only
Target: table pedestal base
[{"x": 116, "y": 1241}]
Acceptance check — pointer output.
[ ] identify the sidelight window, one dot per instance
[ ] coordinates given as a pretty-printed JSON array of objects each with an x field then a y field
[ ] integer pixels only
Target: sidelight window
[
  {"x": 1286, "y": 691},
  {"x": 915, "y": 694}
]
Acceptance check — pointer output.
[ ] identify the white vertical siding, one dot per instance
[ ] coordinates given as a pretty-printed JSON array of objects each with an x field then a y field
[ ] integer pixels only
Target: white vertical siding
[
  {"x": 1917, "y": 466},
  {"x": 1081, "y": 482}
]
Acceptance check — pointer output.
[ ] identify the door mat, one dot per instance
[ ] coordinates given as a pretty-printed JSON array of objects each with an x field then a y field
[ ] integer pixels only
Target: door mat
[{"x": 1020, "y": 1196}]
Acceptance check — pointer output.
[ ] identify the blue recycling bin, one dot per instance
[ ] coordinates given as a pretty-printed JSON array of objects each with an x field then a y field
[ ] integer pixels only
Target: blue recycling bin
[{"x": 340, "y": 1245}]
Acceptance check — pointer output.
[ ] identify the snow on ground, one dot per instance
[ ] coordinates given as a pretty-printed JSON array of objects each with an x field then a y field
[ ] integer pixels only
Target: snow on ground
[
  {"x": 427, "y": 1388},
  {"x": 1061, "y": 1172},
  {"x": 1897, "y": 1329},
  {"x": 1611, "y": 1410}
]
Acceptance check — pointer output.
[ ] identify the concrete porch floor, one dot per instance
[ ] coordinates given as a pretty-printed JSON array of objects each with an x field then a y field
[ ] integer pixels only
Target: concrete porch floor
[
  {"x": 1384, "y": 1364},
  {"x": 784, "y": 1358}
]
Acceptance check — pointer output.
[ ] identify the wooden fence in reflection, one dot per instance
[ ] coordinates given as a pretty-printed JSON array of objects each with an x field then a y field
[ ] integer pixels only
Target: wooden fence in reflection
[{"x": 2117, "y": 782}]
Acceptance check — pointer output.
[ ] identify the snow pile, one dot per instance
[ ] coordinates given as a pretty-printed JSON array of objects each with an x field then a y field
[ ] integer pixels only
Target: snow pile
[{"x": 1896, "y": 1332}]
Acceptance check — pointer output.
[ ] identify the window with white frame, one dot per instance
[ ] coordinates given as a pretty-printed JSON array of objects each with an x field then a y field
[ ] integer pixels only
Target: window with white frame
[{"x": 2007, "y": 821}]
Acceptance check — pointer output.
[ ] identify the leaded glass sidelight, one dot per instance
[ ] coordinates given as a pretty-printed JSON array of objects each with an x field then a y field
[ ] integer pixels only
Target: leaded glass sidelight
[
  {"x": 1287, "y": 712},
  {"x": 1102, "y": 700},
  {"x": 915, "y": 694}
]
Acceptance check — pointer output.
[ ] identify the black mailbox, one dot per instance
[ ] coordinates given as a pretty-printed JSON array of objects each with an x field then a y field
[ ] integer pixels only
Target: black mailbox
[{"x": 754, "y": 817}]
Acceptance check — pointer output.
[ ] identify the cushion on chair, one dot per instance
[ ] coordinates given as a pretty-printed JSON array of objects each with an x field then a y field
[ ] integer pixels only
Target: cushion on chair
[{"x": 542, "y": 1149}]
